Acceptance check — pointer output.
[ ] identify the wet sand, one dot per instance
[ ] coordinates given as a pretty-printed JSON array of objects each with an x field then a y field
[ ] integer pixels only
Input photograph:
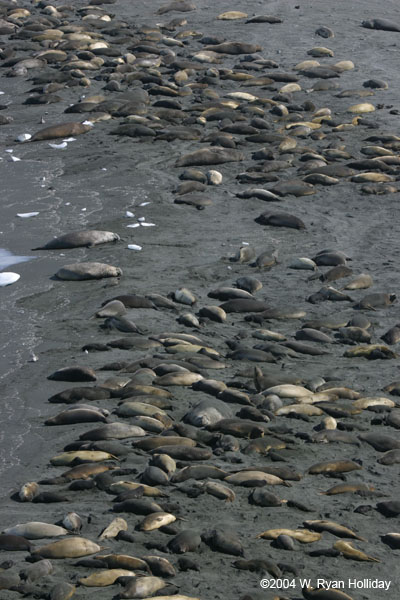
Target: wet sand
[{"x": 90, "y": 185}]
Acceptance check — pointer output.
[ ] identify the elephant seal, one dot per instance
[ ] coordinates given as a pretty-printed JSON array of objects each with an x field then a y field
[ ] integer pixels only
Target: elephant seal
[
  {"x": 105, "y": 578},
  {"x": 73, "y": 374},
  {"x": 375, "y": 301},
  {"x": 270, "y": 19},
  {"x": 11, "y": 542},
  {"x": 207, "y": 412},
  {"x": 142, "y": 587},
  {"x": 223, "y": 541},
  {"x": 77, "y": 239},
  {"x": 338, "y": 466},
  {"x": 35, "y": 530},
  {"x": 233, "y": 48},
  {"x": 389, "y": 509},
  {"x": 60, "y": 131},
  {"x": 36, "y": 571},
  {"x": 87, "y": 270},
  {"x": 9, "y": 580},
  {"x": 240, "y": 305},
  {"x": 186, "y": 541},
  {"x": 62, "y": 591},
  {"x": 77, "y": 415},
  {"x": 392, "y": 540},
  {"x": 262, "y": 497},
  {"x": 380, "y": 442},
  {"x": 392, "y": 457},
  {"x": 114, "y": 308},
  {"x": 305, "y": 536},
  {"x": 381, "y": 25},
  {"x": 209, "y": 156},
  {"x": 280, "y": 219},
  {"x": 117, "y": 431},
  {"x": 323, "y": 594},
  {"x": 179, "y": 6},
  {"x": 324, "y": 32},
  {"x": 73, "y": 547},
  {"x": 28, "y": 491}
]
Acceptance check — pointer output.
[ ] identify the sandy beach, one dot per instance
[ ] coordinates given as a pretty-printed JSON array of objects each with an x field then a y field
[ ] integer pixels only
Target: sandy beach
[{"x": 129, "y": 186}]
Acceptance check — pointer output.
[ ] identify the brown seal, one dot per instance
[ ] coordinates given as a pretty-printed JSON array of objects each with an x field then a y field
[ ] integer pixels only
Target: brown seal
[{"x": 60, "y": 131}]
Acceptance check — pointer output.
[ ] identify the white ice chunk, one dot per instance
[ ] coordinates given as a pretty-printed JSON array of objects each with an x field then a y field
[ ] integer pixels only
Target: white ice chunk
[
  {"x": 23, "y": 137},
  {"x": 59, "y": 146},
  {"x": 7, "y": 278}
]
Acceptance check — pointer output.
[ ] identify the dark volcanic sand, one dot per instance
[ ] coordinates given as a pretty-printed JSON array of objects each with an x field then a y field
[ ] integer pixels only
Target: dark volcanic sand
[{"x": 92, "y": 183}]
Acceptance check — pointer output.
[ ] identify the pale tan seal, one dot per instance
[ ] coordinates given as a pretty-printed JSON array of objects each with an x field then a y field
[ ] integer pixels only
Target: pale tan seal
[
  {"x": 87, "y": 270},
  {"x": 77, "y": 239}
]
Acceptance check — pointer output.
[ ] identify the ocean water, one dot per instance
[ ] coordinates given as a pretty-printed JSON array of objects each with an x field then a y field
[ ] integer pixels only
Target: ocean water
[
  {"x": 7, "y": 258},
  {"x": 22, "y": 191}
]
